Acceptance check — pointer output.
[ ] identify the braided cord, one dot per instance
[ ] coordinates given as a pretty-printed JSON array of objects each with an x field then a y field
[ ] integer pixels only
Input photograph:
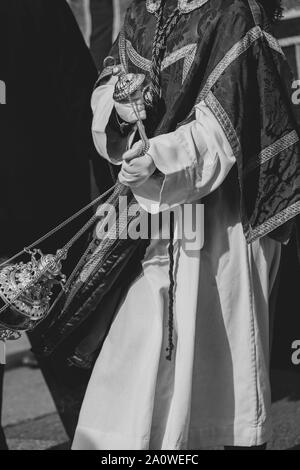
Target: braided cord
[
  {"x": 162, "y": 33},
  {"x": 159, "y": 46},
  {"x": 171, "y": 290}
]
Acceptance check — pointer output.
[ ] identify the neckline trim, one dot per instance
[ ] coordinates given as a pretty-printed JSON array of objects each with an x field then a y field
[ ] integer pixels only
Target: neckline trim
[{"x": 184, "y": 6}]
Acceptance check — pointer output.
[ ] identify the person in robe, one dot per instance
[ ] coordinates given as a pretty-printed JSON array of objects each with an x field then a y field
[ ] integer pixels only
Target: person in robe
[
  {"x": 100, "y": 22},
  {"x": 46, "y": 147},
  {"x": 185, "y": 363},
  {"x": 106, "y": 19}
]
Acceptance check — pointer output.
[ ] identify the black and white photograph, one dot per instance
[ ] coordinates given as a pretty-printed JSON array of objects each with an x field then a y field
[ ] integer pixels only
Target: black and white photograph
[{"x": 149, "y": 227}]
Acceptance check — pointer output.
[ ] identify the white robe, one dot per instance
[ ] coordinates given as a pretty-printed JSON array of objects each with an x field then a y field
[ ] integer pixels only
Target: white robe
[{"x": 216, "y": 389}]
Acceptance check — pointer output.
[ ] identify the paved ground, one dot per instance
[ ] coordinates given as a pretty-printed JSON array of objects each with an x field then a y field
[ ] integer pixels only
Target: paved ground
[
  {"x": 286, "y": 410},
  {"x": 29, "y": 415},
  {"x": 31, "y": 422}
]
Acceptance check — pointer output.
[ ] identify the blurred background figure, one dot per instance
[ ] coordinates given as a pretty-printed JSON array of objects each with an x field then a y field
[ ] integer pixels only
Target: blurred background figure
[
  {"x": 45, "y": 134},
  {"x": 100, "y": 22}
]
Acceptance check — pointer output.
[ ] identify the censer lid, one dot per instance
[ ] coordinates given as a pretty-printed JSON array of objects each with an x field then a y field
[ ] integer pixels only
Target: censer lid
[
  {"x": 128, "y": 84},
  {"x": 26, "y": 290}
]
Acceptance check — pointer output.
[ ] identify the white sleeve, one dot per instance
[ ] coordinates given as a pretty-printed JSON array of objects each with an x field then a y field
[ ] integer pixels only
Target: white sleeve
[
  {"x": 193, "y": 160},
  {"x": 109, "y": 144}
]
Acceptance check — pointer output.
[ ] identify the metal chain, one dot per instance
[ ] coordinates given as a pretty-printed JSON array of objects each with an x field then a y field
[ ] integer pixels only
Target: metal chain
[
  {"x": 63, "y": 251},
  {"x": 60, "y": 226}
]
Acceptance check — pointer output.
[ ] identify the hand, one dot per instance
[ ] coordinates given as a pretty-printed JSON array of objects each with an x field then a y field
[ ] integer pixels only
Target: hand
[
  {"x": 125, "y": 109},
  {"x": 136, "y": 170}
]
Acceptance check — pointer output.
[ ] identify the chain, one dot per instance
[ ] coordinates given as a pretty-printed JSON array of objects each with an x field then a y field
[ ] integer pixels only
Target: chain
[
  {"x": 60, "y": 226},
  {"x": 62, "y": 252}
]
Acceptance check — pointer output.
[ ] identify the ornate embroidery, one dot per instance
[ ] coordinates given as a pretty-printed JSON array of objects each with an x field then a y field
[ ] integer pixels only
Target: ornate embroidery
[
  {"x": 221, "y": 115},
  {"x": 273, "y": 150},
  {"x": 238, "y": 49},
  {"x": 177, "y": 55},
  {"x": 187, "y": 52},
  {"x": 185, "y": 6},
  {"x": 274, "y": 222},
  {"x": 136, "y": 58}
]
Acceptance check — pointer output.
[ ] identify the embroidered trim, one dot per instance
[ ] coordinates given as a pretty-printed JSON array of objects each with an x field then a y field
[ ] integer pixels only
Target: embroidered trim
[
  {"x": 179, "y": 54},
  {"x": 282, "y": 217},
  {"x": 256, "y": 12},
  {"x": 282, "y": 144},
  {"x": 273, "y": 150},
  {"x": 136, "y": 58},
  {"x": 225, "y": 122},
  {"x": 188, "y": 62},
  {"x": 122, "y": 49},
  {"x": 274, "y": 222},
  {"x": 237, "y": 50},
  {"x": 188, "y": 52},
  {"x": 259, "y": 18},
  {"x": 273, "y": 43},
  {"x": 185, "y": 6}
]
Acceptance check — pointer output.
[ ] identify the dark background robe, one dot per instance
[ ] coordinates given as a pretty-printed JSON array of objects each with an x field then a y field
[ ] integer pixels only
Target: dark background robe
[{"x": 45, "y": 142}]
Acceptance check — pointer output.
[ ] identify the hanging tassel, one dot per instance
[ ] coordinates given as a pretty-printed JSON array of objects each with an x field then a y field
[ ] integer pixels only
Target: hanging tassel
[{"x": 171, "y": 291}]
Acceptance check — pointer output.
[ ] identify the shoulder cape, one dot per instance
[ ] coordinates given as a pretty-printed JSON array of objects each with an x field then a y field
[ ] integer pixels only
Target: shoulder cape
[{"x": 232, "y": 62}]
